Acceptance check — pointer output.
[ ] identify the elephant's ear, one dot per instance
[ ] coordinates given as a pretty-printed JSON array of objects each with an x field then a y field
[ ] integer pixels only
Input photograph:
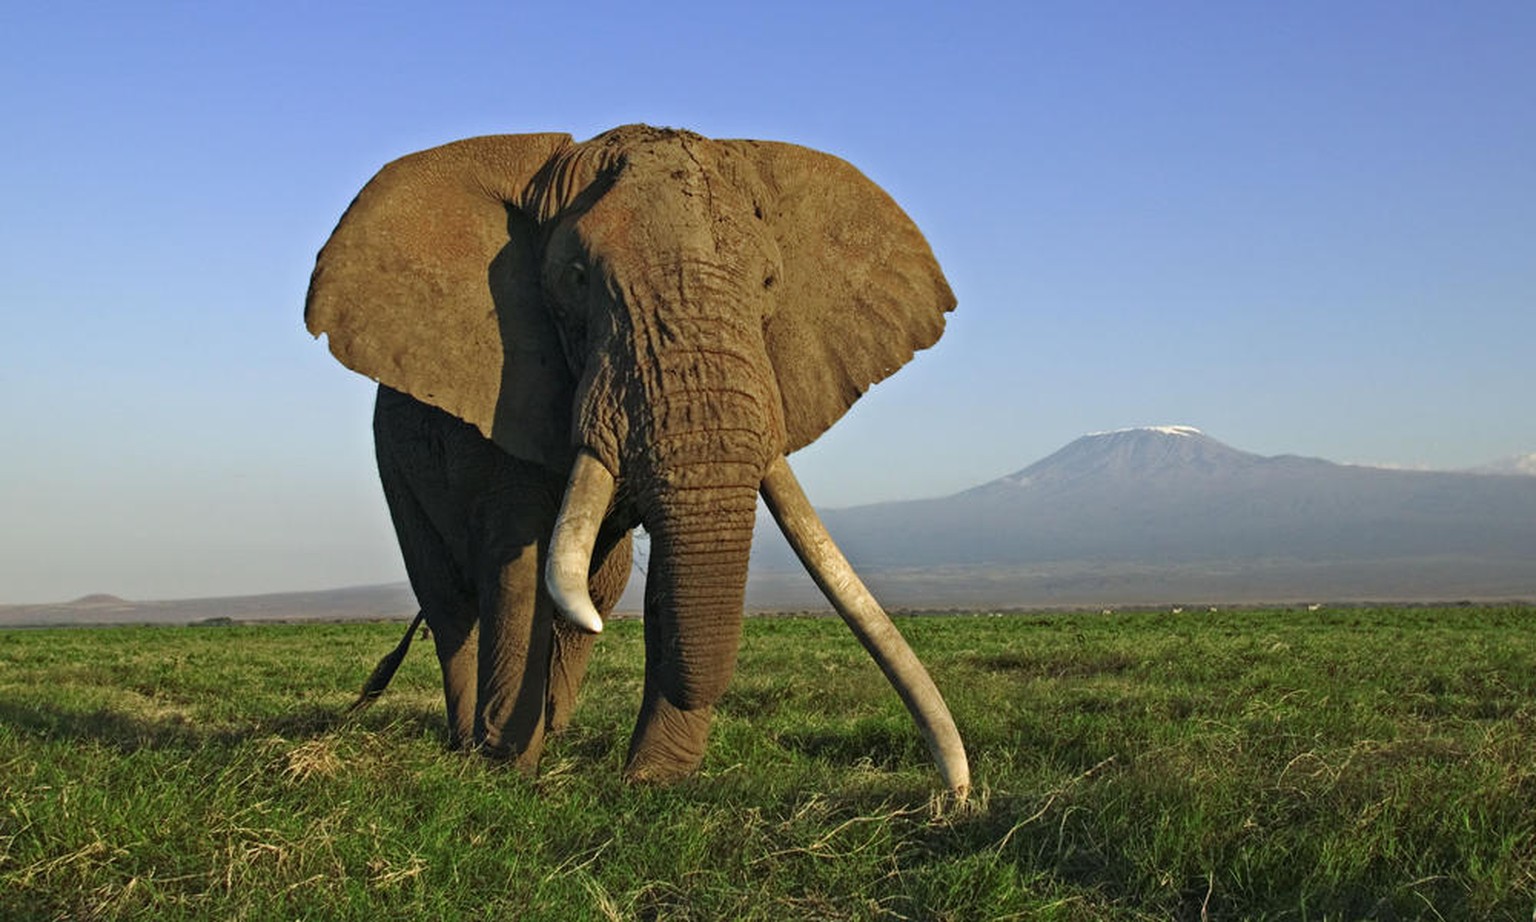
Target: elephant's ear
[
  {"x": 429, "y": 285},
  {"x": 861, "y": 290}
]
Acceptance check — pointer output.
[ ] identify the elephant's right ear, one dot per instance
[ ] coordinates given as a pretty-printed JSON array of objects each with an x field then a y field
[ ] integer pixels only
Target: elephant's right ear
[{"x": 430, "y": 285}]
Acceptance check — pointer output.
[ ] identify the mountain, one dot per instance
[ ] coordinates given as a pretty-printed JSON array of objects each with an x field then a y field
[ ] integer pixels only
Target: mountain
[{"x": 1168, "y": 510}]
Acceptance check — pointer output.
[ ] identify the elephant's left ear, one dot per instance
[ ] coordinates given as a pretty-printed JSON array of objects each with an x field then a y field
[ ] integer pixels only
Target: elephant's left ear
[
  {"x": 861, "y": 290},
  {"x": 430, "y": 285}
]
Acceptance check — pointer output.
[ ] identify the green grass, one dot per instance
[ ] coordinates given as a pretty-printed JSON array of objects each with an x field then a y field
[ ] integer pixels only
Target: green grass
[{"x": 1347, "y": 764}]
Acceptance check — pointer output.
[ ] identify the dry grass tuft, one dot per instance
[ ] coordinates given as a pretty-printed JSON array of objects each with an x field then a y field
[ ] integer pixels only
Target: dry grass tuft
[
  {"x": 602, "y": 900},
  {"x": 315, "y": 758},
  {"x": 384, "y": 875}
]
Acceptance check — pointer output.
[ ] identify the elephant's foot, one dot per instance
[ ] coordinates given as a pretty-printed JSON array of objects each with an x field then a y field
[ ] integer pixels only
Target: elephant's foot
[
  {"x": 523, "y": 760},
  {"x": 668, "y": 744},
  {"x": 516, "y": 742}
]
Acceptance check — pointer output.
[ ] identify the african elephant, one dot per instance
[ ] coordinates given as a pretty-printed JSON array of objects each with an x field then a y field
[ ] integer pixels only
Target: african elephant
[{"x": 575, "y": 339}]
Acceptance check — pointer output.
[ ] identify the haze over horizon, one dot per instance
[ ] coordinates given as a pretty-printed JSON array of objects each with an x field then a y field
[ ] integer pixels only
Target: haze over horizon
[
  {"x": 1303, "y": 229},
  {"x": 1133, "y": 516}
]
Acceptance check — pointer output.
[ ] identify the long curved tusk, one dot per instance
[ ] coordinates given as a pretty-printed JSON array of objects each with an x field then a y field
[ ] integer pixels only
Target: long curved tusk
[
  {"x": 868, "y": 621},
  {"x": 587, "y": 495}
]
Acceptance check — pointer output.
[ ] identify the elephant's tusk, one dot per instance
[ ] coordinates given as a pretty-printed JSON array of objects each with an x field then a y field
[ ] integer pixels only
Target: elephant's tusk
[
  {"x": 587, "y": 495},
  {"x": 868, "y": 621}
]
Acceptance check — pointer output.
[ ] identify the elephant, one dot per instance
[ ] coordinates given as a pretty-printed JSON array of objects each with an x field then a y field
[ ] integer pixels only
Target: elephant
[{"x": 575, "y": 339}]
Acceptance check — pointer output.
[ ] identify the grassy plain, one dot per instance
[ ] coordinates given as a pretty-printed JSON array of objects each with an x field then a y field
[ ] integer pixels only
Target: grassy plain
[{"x": 1340, "y": 764}]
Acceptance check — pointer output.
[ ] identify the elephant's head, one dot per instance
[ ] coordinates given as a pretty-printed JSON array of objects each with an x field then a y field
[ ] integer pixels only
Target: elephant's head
[{"x": 662, "y": 314}]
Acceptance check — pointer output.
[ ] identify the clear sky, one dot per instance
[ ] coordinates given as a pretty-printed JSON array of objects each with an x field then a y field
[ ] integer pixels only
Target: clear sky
[{"x": 1304, "y": 227}]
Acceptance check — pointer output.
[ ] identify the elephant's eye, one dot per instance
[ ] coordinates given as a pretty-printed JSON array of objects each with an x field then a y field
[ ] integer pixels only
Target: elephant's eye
[{"x": 574, "y": 279}]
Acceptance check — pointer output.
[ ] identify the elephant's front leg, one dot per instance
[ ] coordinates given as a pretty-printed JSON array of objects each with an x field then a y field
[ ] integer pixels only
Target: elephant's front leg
[
  {"x": 515, "y": 636},
  {"x": 516, "y": 620},
  {"x": 572, "y": 645}
]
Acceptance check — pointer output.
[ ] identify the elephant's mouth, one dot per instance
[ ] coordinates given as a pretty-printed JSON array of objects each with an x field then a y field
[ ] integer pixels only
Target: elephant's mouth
[{"x": 589, "y": 493}]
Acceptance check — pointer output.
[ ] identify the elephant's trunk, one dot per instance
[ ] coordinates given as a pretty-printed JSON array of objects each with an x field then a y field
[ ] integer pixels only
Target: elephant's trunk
[
  {"x": 699, "y": 515},
  {"x": 701, "y": 541},
  {"x": 868, "y": 621},
  {"x": 587, "y": 495}
]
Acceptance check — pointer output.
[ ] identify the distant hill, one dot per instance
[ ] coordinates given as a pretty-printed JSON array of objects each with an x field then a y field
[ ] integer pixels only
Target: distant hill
[
  {"x": 364, "y": 602},
  {"x": 1169, "y": 513}
]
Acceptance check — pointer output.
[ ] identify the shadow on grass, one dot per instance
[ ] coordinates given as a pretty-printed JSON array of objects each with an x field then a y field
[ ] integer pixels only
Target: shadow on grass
[
  {"x": 129, "y": 732},
  {"x": 883, "y": 744},
  {"x": 588, "y": 745}
]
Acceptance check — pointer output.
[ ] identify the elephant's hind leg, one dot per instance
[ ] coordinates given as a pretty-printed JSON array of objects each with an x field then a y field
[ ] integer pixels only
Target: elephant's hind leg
[
  {"x": 406, "y": 441},
  {"x": 450, "y": 607},
  {"x": 458, "y": 654}
]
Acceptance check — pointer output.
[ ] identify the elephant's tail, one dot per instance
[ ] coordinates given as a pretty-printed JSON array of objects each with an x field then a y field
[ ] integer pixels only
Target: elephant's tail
[{"x": 385, "y": 670}]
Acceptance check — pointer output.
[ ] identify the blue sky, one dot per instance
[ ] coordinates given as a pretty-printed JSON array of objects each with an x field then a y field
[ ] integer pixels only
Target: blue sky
[{"x": 1302, "y": 227}]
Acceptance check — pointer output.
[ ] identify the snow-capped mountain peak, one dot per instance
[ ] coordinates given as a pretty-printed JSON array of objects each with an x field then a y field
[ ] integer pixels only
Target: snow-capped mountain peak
[
  {"x": 1134, "y": 453},
  {"x": 1160, "y": 430}
]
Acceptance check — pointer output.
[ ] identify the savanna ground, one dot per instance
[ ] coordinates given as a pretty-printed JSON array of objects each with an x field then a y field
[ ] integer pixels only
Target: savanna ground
[{"x": 1374, "y": 763}]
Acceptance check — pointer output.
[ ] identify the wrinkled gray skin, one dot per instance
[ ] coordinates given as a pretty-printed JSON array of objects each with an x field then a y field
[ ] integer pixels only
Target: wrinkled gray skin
[{"x": 685, "y": 311}]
